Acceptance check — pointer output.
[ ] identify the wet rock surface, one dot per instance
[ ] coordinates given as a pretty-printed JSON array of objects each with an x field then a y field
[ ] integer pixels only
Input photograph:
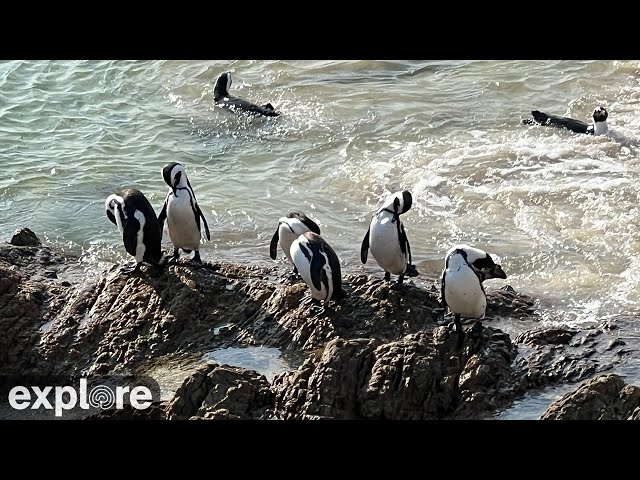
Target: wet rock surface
[
  {"x": 376, "y": 354},
  {"x": 606, "y": 397},
  {"x": 421, "y": 376},
  {"x": 25, "y": 237},
  {"x": 549, "y": 356}
]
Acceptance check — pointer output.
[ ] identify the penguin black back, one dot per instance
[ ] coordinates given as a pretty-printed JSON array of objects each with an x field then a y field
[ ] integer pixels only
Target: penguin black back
[
  {"x": 134, "y": 212},
  {"x": 222, "y": 97}
]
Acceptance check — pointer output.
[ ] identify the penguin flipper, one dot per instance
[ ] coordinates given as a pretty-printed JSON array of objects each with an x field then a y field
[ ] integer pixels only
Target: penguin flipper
[
  {"x": 198, "y": 213},
  {"x": 316, "y": 267},
  {"x": 111, "y": 218},
  {"x": 130, "y": 236},
  {"x": 273, "y": 248},
  {"x": 443, "y": 302},
  {"x": 163, "y": 213},
  {"x": 364, "y": 249},
  {"x": 206, "y": 226}
]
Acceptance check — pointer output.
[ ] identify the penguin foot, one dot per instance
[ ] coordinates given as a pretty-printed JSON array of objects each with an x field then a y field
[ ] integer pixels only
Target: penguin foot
[
  {"x": 396, "y": 286},
  {"x": 196, "y": 260},
  {"x": 476, "y": 330},
  {"x": 387, "y": 277},
  {"x": 293, "y": 277},
  {"x": 437, "y": 315},
  {"x": 411, "y": 271},
  {"x": 457, "y": 329},
  {"x": 131, "y": 268}
]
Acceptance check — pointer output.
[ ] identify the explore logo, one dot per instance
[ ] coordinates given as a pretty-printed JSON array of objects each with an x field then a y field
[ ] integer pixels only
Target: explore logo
[{"x": 81, "y": 395}]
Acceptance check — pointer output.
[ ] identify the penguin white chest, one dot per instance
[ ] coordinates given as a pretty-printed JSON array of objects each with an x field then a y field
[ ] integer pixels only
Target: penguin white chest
[
  {"x": 287, "y": 237},
  {"x": 463, "y": 292},
  {"x": 181, "y": 222},
  {"x": 140, "y": 246},
  {"x": 303, "y": 264},
  {"x": 384, "y": 243}
]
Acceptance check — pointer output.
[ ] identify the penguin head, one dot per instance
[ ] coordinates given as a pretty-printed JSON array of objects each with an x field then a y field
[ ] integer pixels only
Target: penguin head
[
  {"x": 296, "y": 226},
  {"x": 175, "y": 176},
  {"x": 111, "y": 205},
  {"x": 479, "y": 260},
  {"x": 600, "y": 114},
  {"x": 223, "y": 84},
  {"x": 398, "y": 203}
]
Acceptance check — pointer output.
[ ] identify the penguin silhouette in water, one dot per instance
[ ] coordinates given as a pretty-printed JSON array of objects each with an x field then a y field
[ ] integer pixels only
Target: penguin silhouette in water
[
  {"x": 599, "y": 126},
  {"x": 222, "y": 97}
]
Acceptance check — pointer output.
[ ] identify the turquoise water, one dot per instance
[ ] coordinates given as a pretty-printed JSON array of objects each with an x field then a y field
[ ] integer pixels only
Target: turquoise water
[{"x": 559, "y": 210}]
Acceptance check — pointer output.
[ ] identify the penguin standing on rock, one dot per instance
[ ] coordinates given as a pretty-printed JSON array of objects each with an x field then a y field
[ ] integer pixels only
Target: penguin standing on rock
[
  {"x": 182, "y": 213},
  {"x": 319, "y": 267},
  {"x": 388, "y": 240},
  {"x": 136, "y": 220},
  {"x": 223, "y": 98},
  {"x": 462, "y": 290},
  {"x": 290, "y": 228}
]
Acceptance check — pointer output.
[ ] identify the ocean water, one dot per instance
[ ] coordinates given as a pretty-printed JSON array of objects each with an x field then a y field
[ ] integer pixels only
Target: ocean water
[{"x": 560, "y": 211}]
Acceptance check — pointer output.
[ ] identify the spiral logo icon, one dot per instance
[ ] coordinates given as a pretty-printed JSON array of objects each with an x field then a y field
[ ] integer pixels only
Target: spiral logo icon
[{"x": 102, "y": 397}]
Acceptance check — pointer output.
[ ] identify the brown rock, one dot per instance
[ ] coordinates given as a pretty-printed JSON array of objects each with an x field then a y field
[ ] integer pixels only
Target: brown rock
[
  {"x": 420, "y": 376},
  {"x": 606, "y": 397},
  {"x": 222, "y": 392}
]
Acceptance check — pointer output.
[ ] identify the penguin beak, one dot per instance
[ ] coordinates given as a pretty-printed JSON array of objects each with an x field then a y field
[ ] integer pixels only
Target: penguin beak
[{"x": 496, "y": 272}]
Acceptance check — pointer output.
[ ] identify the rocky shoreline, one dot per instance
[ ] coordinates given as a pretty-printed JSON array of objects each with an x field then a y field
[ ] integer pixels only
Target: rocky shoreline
[{"x": 376, "y": 355}]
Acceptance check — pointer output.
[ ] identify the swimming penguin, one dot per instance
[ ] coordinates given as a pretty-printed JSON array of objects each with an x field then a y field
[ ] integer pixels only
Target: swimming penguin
[
  {"x": 182, "y": 213},
  {"x": 136, "y": 220},
  {"x": 599, "y": 126},
  {"x": 290, "y": 228},
  {"x": 388, "y": 240},
  {"x": 462, "y": 290},
  {"x": 319, "y": 267},
  {"x": 223, "y": 98}
]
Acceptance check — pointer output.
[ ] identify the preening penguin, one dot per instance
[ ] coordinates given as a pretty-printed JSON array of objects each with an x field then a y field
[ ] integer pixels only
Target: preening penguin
[
  {"x": 599, "y": 126},
  {"x": 182, "y": 212},
  {"x": 318, "y": 265},
  {"x": 462, "y": 290},
  {"x": 222, "y": 97},
  {"x": 136, "y": 220},
  {"x": 290, "y": 228},
  {"x": 387, "y": 239}
]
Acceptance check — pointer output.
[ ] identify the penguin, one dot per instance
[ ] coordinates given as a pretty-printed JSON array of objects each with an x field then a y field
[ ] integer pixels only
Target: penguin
[
  {"x": 388, "y": 240},
  {"x": 182, "y": 213},
  {"x": 222, "y": 97},
  {"x": 136, "y": 220},
  {"x": 599, "y": 126},
  {"x": 466, "y": 268},
  {"x": 319, "y": 267},
  {"x": 290, "y": 228}
]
